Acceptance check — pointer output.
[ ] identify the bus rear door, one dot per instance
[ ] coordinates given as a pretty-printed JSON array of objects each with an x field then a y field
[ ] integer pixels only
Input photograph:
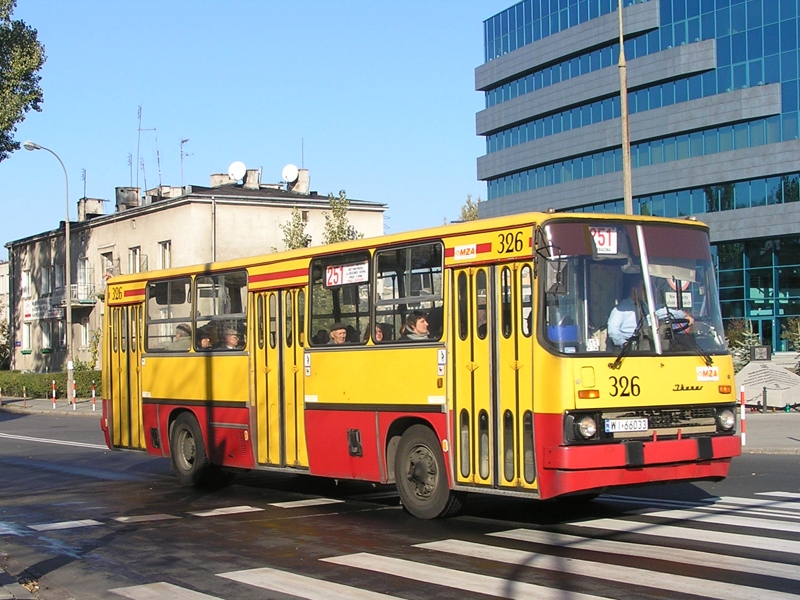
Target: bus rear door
[{"x": 125, "y": 376}]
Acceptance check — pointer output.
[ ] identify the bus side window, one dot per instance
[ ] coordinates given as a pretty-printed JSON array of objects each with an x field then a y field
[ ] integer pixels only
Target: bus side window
[
  {"x": 340, "y": 293},
  {"x": 221, "y": 302},
  {"x": 408, "y": 280}
]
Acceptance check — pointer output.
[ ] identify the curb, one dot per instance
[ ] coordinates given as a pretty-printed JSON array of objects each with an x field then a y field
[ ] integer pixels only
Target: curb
[{"x": 58, "y": 411}]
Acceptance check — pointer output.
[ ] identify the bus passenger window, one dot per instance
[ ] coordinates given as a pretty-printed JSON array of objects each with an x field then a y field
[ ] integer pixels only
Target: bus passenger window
[
  {"x": 169, "y": 306},
  {"x": 340, "y": 293},
  {"x": 221, "y": 303},
  {"x": 526, "y": 280},
  {"x": 408, "y": 287}
]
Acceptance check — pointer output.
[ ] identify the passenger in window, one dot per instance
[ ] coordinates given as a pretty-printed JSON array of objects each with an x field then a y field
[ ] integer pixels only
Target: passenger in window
[
  {"x": 416, "y": 327},
  {"x": 230, "y": 339},
  {"x": 321, "y": 337},
  {"x": 338, "y": 334},
  {"x": 379, "y": 334},
  {"x": 203, "y": 339},
  {"x": 352, "y": 335},
  {"x": 183, "y": 337}
]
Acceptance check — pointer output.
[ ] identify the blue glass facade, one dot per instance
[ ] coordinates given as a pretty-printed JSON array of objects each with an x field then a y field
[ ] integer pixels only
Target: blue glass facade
[{"x": 757, "y": 43}]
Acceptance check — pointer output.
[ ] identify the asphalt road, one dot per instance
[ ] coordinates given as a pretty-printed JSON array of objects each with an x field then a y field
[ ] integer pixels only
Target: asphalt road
[{"x": 83, "y": 522}]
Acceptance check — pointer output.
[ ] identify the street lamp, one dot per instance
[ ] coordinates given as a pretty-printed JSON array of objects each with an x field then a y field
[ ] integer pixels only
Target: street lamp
[{"x": 33, "y": 146}]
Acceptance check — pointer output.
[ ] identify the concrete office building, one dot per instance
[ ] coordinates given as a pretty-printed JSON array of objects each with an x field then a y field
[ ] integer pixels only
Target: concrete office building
[
  {"x": 166, "y": 227},
  {"x": 713, "y": 102}
]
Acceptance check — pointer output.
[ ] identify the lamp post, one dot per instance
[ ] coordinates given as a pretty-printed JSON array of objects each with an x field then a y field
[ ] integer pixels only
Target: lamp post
[
  {"x": 67, "y": 282},
  {"x": 627, "y": 188}
]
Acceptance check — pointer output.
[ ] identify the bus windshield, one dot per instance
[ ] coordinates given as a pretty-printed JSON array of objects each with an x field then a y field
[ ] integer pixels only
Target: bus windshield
[{"x": 647, "y": 288}]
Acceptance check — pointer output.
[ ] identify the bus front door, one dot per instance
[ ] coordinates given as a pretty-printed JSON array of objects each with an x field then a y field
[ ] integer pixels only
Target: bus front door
[
  {"x": 126, "y": 406},
  {"x": 492, "y": 357},
  {"x": 278, "y": 357}
]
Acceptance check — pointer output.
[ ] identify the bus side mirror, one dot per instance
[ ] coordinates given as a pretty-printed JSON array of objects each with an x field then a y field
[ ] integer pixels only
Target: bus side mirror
[{"x": 556, "y": 273}]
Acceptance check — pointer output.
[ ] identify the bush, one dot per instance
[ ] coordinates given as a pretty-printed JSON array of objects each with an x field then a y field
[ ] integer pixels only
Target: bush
[{"x": 39, "y": 385}]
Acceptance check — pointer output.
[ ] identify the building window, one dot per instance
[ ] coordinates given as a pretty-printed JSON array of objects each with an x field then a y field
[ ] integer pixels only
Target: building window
[
  {"x": 134, "y": 264},
  {"x": 47, "y": 280},
  {"x": 47, "y": 335},
  {"x": 165, "y": 254},
  {"x": 62, "y": 334},
  {"x": 86, "y": 332},
  {"x": 84, "y": 279},
  {"x": 107, "y": 264},
  {"x": 26, "y": 336},
  {"x": 60, "y": 278},
  {"x": 26, "y": 284}
]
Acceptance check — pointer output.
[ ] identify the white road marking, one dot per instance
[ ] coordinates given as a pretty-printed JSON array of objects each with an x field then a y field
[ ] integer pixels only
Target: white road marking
[
  {"x": 452, "y": 578},
  {"x": 686, "y": 533},
  {"x": 700, "y": 516},
  {"x": 65, "y": 525},
  {"x": 145, "y": 518},
  {"x": 160, "y": 591},
  {"x": 231, "y": 510},
  {"x": 25, "y": 438},
  {"x": 677, "y": 555},
  {"x": 302, "y": 503},
  {"x": 677, "y": 584},
  {"x": 792, "y": 495},
  {"x": 301, "y": 586}
]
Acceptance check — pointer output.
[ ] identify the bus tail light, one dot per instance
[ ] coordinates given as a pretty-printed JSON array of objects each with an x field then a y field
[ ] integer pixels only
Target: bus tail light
[
  {"x": 588, "y": 394},
  {"x": 724, "y": 389}
]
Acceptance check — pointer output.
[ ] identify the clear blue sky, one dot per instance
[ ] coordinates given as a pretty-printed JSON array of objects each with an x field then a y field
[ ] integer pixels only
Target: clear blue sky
[{"x": 380, "y": 92}]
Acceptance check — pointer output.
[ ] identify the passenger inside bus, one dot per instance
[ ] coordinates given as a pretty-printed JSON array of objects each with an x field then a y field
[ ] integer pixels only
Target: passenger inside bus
[
  {"x": 183, "y": 338},
  {"x": 203, "y": 339},
  {"x": 381, "y": 333},
  {"x": 230, "y": 339},
  {"x": 416, "y": 327},
  {"x": 338, "y": 334}
]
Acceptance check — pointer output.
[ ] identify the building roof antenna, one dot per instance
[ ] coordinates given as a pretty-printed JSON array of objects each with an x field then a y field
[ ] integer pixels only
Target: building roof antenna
[{"x": 183, "y": 154}]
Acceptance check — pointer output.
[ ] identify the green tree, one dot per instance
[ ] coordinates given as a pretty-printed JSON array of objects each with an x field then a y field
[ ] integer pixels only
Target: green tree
[
  {"x": 294, "y": 231},
  {"x": 21, "y": 58},
  {"x": 337, "y": 227},
  {"x": 469, "y": 212},
  {"x": 741, "y": 338},
  {"x": 5, "y": 347}
]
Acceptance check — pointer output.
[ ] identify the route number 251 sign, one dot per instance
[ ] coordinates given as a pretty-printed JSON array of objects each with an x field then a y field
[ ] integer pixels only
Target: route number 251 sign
[{"x": 605, "y": 239}]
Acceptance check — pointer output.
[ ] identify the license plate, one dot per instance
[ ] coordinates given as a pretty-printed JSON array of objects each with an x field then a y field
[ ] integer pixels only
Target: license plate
[{"x": 621, "y": 425}]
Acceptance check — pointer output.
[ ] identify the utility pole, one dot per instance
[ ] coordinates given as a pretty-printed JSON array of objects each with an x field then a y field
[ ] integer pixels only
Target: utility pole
[{"x": 627, "y": 186}]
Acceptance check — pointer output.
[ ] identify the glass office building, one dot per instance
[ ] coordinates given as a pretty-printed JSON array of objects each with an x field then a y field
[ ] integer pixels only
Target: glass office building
[{"x": 714, "y": 104}]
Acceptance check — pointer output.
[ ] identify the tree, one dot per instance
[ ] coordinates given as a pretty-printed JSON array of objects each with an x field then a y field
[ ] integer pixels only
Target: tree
[
  {"x": 294, "y": 231},
  {"x": 5, "y": 344},
  {"x": 21, "y": 58},
  {"x": 337, "y": 227},
  {"x": 469, "y": 212},
  {"x": 741, "y": 338}
]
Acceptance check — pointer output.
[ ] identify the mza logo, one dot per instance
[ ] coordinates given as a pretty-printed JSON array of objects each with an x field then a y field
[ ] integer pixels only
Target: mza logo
[{"x": 465, "y": 252}]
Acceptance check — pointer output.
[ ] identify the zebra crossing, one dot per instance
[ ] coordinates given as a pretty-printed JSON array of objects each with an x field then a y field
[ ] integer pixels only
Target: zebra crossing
[{"x": 729, "y": 548}]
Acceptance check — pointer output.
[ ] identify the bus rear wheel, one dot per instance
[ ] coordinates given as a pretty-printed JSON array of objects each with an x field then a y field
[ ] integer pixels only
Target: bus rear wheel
[
  {"x": 420, "y": 475},
  {"x": 188, "y": 453}
]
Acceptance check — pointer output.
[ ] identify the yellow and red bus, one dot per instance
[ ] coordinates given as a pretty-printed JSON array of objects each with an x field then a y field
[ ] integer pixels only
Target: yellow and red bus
[{"x": 517, "y": 386}]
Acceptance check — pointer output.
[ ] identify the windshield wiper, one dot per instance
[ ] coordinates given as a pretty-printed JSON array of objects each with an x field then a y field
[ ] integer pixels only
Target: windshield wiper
[
  {"x": 692, "y": 342},
  {"x": 628, "y": 344}
]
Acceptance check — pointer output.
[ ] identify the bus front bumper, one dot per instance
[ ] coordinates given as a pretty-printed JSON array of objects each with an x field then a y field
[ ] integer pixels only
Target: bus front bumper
[{"x": 569, "y": 469}]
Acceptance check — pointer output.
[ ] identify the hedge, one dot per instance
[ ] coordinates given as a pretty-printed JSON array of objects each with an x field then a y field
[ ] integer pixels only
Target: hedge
[{"x": 39, "y": 385}]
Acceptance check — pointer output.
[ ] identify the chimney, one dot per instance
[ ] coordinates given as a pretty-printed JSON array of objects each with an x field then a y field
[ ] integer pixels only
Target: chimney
[
  {"x": 127, "y": 197},
  {"x": 303, "y": 183},
  {"x": 219, "y": 179},
  {"x": 252, "y": 179},
  {"x": 88, "y": 208}
]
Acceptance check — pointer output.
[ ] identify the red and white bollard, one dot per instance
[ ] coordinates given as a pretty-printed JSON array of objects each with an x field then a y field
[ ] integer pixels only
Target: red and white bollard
[
  {"x": 744, "y": 417},
  {"x": 74, "y": 394},
  {"x": 93, "y": 396},
  {"x": 54, "y": 393}
]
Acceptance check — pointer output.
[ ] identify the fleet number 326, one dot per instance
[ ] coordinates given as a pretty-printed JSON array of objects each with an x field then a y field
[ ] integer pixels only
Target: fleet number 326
[
  {"x": 624, "y": 386},
  {"x": 115, "y": 293}
]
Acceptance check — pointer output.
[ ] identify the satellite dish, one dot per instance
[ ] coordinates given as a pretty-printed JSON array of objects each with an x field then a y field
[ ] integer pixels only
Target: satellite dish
[
  {"x": 237, "y": 170},
  {"x": 289, "y": 173}
]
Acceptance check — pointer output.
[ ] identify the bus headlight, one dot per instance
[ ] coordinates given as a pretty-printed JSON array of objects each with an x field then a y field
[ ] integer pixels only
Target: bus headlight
[
  {"x": 587, "y": 427},
  {"x": 726, "y": 419}
]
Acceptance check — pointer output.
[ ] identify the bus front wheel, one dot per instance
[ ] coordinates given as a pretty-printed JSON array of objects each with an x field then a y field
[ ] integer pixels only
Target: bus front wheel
[
  {"x": 188, "y": 452},
  {"x": 420, "y": 475}
]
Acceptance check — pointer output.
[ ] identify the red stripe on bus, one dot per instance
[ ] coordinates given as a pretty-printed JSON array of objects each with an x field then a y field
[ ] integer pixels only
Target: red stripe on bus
[
  {"x": 481, "y": 248},
  {"x": 139, "y": 292},
  {"x": 279, "y": 275}
]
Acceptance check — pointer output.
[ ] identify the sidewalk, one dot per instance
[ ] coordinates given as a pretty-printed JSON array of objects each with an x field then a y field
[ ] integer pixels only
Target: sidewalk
[
  {"x": 83, "y": 407},
  {"x": 771, "y": 433}
]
